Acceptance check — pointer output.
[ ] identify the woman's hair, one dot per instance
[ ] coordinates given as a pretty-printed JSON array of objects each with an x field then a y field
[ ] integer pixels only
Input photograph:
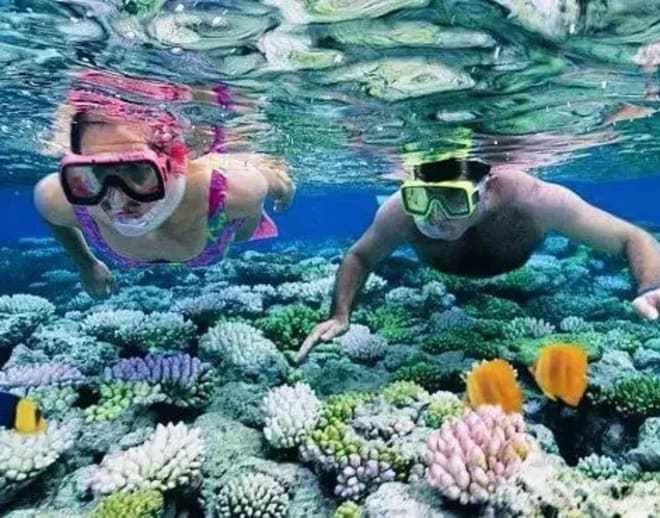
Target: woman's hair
[
  {"x": 80, "y": 122},
  {"x": 452, "y": 169}
]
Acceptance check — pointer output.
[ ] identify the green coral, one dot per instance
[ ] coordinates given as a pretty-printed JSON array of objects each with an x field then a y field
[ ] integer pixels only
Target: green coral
[
  {"x": 443, "y": 406},
  {"x": 289, "y": 327},
  {"x": 404, "y": 393},
  {"x": 470, "y": 342},
  {"x": 635, "y": 395},
  {"x": 490, "y": 328},
  {"x": 457, "y": 339},
  {"x": 427, "y": 375},
  {"x": 118, "y": 396},
  {"x": 390, "y": 321},
  {"x": 348, "y": 509},
  {"x": 493, "y": 307},
  {"x": 141, "y": 504},
  {"x": 339, "y": 408}
]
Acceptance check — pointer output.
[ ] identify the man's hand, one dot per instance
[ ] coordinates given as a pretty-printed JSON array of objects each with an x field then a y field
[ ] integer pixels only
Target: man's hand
[
  {"x": 648, "y": 304},
  {"x": 325, "y": 331}
]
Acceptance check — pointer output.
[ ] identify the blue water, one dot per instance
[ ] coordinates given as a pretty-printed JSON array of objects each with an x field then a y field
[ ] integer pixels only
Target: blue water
[{"x": 345, "y": 213}]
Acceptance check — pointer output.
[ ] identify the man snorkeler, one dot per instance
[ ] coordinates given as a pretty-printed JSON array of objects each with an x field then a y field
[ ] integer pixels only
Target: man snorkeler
[{"x": 467, "y": 218}]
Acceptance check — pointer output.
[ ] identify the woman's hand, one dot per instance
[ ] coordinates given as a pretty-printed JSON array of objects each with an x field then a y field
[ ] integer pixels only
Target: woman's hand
[{"x": 97, "y": 279}]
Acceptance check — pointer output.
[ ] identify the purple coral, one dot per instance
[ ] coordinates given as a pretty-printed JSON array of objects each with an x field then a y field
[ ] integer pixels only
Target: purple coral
[
  {"x": 469, "y": 457},
  {"x": 40, "y": 375},
  {"x": 181, "y": 369}
]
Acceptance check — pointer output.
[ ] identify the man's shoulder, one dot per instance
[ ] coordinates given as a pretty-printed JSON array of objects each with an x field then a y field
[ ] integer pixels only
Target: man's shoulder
[{"x": 517, "y": 187}]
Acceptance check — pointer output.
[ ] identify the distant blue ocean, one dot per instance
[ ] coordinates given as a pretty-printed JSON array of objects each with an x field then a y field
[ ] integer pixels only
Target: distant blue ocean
[{"x": 344, "y": 213}]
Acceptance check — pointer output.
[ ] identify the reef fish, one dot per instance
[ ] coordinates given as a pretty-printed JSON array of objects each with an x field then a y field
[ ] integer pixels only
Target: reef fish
[
  {"x": 494, "y": 383},
  {"x": 561, "y": 372},
  {"x": 20, "y": 414}
]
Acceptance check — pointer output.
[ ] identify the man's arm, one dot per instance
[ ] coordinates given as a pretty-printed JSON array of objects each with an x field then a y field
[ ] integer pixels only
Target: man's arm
[
  {"x": 558, "y": 208},
  {"x": 384, "y": 235}
]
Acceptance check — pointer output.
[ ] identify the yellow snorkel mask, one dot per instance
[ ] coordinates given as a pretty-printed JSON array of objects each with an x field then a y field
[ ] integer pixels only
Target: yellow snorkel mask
[{"x": 456, "y": 199}]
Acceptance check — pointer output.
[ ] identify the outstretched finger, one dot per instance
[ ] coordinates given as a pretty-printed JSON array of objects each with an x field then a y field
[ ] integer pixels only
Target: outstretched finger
[{"x": 309, "y": 344}]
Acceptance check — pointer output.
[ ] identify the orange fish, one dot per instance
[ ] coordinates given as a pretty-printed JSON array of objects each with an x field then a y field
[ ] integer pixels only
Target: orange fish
[
  {"x": 494, "y": 383},
  {"x": 561, "y": 372}
]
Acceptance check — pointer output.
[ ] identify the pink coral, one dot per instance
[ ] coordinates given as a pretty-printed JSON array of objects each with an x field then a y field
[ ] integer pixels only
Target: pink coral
[{"x": 469, "y": 457}]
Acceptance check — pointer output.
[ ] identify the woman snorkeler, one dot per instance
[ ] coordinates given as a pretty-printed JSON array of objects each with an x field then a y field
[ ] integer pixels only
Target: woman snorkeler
[{"x": 129, "y": 189}]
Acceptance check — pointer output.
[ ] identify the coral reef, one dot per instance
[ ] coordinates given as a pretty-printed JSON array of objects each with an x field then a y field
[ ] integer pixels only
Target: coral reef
[
  {"x": 170, "y": 458},
  {"x": 375, "y": 419},
  {"x": 470, "y": 457}
]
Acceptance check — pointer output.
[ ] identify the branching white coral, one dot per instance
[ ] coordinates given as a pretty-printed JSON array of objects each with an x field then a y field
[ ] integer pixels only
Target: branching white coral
[
  {"x": 240, "y": 346},
  {"x": 359, "y": 344},
  {"x": 291, "y": 413},
  {"x": 170, "y": 458},
  {"x": 251, "y": 495},
  {"x": 23, "y": 457}
]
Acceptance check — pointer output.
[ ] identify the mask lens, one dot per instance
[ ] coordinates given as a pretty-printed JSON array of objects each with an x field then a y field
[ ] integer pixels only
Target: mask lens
[
  {"x": 416, "y": 200},
  {"x": 139, "y": 177},
  {"x": 453, "y": 200},
  {"x": 86, "y": 183},
  {"x": 82, "y": 181}
]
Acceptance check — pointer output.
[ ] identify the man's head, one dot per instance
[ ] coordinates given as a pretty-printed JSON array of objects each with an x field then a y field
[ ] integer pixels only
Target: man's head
[{"x": 446, "y": 196}]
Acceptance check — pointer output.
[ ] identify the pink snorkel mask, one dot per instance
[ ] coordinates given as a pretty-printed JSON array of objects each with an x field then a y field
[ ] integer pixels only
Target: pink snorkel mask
[{"x": 141, "y": 175}]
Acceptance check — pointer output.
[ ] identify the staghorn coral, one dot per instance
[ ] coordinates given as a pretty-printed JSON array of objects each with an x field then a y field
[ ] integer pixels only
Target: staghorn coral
[
  {"x": 390, "y": 322},
  {"x": 239, "y": 350},
  {"x": 488, "y": 306},
  {"x": 575, "y": 325},
  {"x": 37, "y": 307},
  {"x": 20, "y": 316},
  {"x": 250, "y": 495},
  {"x": 340, "y": 443},
  {"x": 105, "y": 325},
  {"x": 404, "y": 393},
  {"x": 451, "y": 319},
  {"x": 129, "y": 328},
  {"x": 312, "y": 292},
  {"x": 288, "y": 327},
  {"x": 66, "y": 345},
  {"x": 442, "y": 407},
  {"x": 291, "y": 413},
  {"x": 634, "y": 395},
  {"x": 527, "y": 327},
  {"x": 361, "y": 346},
  {"x": 140, "y": 504},
  {"x": 241, "y": 299},
  {"x": 170, "y": 458},
  {"x": 23, "y": 457},
  {"x": 469, "y": 457}
]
